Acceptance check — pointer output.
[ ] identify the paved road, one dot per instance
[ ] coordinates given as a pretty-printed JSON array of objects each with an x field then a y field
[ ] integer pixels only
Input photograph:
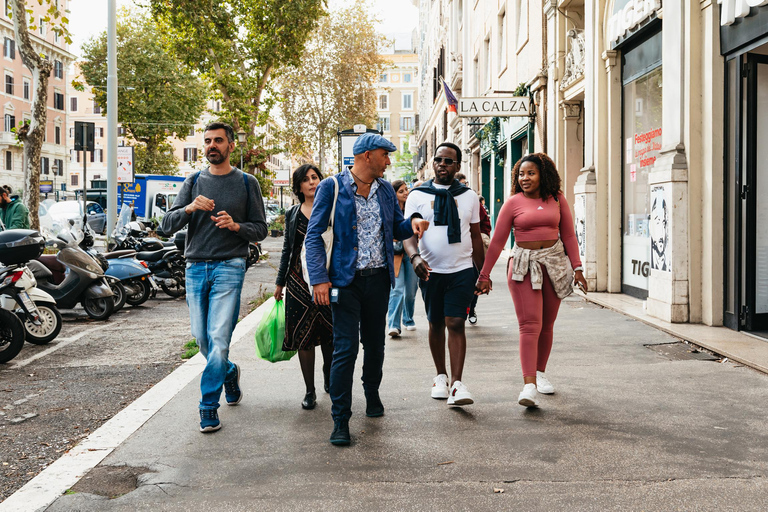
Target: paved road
[
  {"x": 92, "y": 371},
  {"x": 638, "y": 423}
]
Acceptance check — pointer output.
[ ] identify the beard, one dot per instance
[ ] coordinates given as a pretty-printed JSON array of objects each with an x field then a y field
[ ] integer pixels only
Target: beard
[{"x": 215, "y": 157}]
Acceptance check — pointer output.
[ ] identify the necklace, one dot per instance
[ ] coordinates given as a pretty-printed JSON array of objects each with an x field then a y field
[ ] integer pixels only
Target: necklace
[{"x": 361, "y": 181}]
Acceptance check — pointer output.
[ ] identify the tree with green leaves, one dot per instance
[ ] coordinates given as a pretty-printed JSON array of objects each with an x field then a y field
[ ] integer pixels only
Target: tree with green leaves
[
  {"x": 158, "y": 95},
  {"x": 402, "y": 164},
  {"x": 333, "y": 86},
  {"x": 238, "y": 46},
  {"x": 32, "y": 135}
]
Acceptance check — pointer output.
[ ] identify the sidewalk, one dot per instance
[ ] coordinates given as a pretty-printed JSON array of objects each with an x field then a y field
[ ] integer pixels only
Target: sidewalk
[{"x": 638, "y": 422}]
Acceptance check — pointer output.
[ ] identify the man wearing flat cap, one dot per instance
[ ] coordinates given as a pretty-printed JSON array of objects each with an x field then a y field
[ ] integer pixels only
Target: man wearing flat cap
[{"x": 360, "y": 275}]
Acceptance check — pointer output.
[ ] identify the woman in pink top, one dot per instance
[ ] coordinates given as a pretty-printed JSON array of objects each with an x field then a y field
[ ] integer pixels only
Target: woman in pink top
[{"x": 541, "y": 271}]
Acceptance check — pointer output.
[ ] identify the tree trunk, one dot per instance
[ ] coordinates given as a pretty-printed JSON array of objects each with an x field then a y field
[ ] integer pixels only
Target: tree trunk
[
  {"x": 32, "y": 135},
  {"x": 322, "y": 153}
]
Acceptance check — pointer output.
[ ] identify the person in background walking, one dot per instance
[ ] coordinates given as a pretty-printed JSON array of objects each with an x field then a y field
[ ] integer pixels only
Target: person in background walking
[
  {"x": 306, "y": 324},
  {"x": 224, "y": 210},
  {"x": 485, "y": 233},
  {"x": 361, "y": 271},
  {"x": 13, "y": 213},
  {"x": 539, "y": 274},
  {"x": 403, "y": 297},
  {"x": 450, "y": 249}
]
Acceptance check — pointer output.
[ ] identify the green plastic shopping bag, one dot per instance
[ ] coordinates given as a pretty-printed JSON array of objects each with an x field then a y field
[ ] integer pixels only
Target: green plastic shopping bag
[{"x": 271, "y": 332}]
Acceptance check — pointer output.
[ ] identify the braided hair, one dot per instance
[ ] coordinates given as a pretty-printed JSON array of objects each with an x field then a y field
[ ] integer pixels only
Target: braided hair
[{"x": 549, "y": 179}]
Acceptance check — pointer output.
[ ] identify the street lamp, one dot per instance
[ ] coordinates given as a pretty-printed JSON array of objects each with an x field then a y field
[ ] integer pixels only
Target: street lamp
[
  {"x": 55, "y": 169},
  {"x": 241, "y": 141}
]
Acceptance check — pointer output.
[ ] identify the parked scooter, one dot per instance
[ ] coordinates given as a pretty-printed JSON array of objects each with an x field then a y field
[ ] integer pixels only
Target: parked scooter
[
  {"x": 42, "y": 325},
  {"x": 73, "y": 276},
  {"x": 11, "y": 335},
  {"x": 135, "y": 279}
]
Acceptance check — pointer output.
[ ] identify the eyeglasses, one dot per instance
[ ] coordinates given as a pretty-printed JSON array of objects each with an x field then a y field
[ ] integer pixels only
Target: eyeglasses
[{"x": 446, "y": 161}]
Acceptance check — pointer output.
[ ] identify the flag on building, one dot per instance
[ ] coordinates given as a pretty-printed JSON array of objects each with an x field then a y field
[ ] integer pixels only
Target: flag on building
[{"x": 453, "y": 103}]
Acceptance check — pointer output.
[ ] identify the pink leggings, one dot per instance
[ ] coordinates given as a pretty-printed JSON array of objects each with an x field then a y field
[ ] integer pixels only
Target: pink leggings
[{"x": 536, "y": 313}]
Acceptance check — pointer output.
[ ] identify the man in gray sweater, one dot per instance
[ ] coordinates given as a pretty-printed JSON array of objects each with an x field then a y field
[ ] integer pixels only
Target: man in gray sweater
[{"x": 223, "y": 211}]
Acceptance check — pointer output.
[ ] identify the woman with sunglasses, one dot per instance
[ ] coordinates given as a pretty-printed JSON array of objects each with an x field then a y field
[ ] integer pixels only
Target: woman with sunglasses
[
  {"x": 402, "y": 298},
  {"x": 545, "y": 262}
]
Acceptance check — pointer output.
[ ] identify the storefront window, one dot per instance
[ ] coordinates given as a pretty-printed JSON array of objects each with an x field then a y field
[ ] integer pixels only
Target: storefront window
[{"x": 645, "y": 211}]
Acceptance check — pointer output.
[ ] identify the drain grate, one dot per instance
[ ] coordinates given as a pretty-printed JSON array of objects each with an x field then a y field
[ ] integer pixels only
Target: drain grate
[{"x": 679, "y": 351}]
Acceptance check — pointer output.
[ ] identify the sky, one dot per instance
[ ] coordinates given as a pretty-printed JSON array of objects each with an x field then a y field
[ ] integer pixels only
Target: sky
[{"x": 89, "y": 17}]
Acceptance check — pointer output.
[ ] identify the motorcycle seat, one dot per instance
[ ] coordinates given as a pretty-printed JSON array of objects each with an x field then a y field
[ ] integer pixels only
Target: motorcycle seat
[
  {"x": 120, "y": 254},
  {"x": 154, "y": 255},
  {"x": 39, "y": 270},
  {"x": 50, "y": 261}
]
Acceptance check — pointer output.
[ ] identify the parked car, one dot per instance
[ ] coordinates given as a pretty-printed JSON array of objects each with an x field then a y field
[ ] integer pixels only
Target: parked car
[
  {"x": 63, "y": 211},
  {"x": 272, "y": 211}
]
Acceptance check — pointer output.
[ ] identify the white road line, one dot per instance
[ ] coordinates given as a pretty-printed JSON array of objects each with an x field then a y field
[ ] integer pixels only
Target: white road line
[
  {"x": 46, "y": 487},
  {"x": 61, "y": 344}
]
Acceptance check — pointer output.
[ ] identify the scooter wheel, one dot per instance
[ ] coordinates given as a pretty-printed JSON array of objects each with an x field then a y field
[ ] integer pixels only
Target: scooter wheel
[
  {"x": 99, "y": 309},
  {"x": 120, "y": 295},
  {"x": 11, "y": 336},
  {"x": 50, "y": 324},
  {"x": 177, "y": 290},
  {"x": 140, "y": 297}
]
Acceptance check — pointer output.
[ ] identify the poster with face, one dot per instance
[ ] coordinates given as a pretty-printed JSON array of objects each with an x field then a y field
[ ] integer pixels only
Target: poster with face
[
  {"x": 580, "y": 214},
  {"x": 659, "y": 229}
]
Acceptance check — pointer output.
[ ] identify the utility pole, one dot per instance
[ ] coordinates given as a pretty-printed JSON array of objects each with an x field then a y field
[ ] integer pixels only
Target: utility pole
[{"x": 111, "y": 117}]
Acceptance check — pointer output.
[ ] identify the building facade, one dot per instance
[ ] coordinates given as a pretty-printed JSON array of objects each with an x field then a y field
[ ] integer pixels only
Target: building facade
[
  {"x": 654, "y": 114},
  {"x": 397, "y": 95},
  {"x": 17, "y": 100}
]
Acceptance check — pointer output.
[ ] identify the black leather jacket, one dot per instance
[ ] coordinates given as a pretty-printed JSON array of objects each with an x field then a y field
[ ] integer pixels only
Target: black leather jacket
[{"x": 291, "y": 215}]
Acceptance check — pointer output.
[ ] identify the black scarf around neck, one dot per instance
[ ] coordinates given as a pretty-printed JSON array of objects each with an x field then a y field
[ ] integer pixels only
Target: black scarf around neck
[{"x": 446, "y": 212}]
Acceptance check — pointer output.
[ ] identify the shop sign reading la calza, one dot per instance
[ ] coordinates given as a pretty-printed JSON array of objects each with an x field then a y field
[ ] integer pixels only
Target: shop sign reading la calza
[
  {"x": 734, "y": 9},
  {"x": 634, "y": 13},
  {"x": 506, "y": 106}
]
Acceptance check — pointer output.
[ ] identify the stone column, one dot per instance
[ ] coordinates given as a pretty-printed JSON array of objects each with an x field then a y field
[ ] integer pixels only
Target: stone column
[
  {"x": 585, "y": 220},
  {"x": 569, "y": 163},
  {"x": 668, "y": 293},
  {"x": 610, "y": 153}
]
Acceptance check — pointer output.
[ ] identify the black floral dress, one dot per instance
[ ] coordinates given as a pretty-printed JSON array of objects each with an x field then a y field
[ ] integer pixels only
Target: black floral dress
[{"x": 306, "y": 324}]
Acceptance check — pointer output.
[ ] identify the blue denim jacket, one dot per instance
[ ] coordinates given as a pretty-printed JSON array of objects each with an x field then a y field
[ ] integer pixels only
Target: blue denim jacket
[{"x": 344, "y": 255}]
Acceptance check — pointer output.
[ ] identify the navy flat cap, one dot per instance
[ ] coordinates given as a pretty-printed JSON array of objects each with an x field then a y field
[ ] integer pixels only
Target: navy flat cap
[{"x": 371, "y": 141}]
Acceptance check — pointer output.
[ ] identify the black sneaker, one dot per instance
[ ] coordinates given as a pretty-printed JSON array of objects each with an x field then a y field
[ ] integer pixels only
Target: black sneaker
[
  {"x": 209, "y": 420},
  {"x": 373, "y": 406},
  {"x": 232, "y": 388},
  {"x": 472, "y": 317},
  {"x": 340, "y": 434}
]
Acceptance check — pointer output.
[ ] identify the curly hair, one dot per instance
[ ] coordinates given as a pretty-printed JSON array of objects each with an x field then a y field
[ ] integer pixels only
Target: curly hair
[{"x": 549, "y": 184}]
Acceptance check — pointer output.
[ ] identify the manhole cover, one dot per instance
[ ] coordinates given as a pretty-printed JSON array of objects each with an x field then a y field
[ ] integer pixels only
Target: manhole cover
[{"x": 679, "y": 351}]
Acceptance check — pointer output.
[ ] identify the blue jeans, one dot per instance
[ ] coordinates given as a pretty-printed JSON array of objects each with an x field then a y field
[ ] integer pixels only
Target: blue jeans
[
  {"x": 213, "y": 298},
  {"x": 364, "y": 299},
  {"x": 403, "y": 297}
]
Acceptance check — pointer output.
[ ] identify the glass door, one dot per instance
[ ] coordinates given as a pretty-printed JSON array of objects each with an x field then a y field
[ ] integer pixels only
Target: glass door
[{"x": 755, "y": 194}]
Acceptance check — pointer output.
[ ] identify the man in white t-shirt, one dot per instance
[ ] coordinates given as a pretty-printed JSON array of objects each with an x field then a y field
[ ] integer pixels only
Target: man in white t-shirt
[{"x": 443, "y": 260}]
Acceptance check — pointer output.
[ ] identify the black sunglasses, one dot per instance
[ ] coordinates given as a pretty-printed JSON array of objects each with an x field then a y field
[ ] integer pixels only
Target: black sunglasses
[{"x": 447, "y": 161}]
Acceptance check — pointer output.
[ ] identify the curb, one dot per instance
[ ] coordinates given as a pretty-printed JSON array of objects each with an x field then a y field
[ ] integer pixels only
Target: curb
[{"x": 53, "y": 481}]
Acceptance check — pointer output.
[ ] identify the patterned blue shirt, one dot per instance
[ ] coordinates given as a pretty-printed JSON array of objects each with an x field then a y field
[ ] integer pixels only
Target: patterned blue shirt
[{"x": 370, "y": 234}]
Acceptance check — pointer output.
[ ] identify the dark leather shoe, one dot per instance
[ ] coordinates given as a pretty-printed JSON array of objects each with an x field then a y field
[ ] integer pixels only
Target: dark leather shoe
[
  {"x": 373, "y": 407},
  {"x": 327, "y": 382},
  {"x": 340, "y": 434},
  {"x": 310, "y": 400}
]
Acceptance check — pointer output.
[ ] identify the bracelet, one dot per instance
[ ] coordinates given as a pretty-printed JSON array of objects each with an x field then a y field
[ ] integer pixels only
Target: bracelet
[{"x": 414, "y": 255}]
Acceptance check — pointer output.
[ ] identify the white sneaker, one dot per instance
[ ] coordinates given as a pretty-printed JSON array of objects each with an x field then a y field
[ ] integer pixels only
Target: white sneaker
[
  {"x": 410, "y": 327},
  {"x": 394, "y": 333},
  {"x": 440, "y": 389},
  {"x": 459, "y": 395},
  {"x": 543, "y": 385},
  {"x": 527, "y": 396}
]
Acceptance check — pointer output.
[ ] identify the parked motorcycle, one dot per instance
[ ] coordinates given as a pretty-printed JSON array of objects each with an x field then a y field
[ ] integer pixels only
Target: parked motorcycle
[
  {"x": 35, "y": 308},
  {"x": 11, "y": 335},
  {"x": 73, "y": 276}
]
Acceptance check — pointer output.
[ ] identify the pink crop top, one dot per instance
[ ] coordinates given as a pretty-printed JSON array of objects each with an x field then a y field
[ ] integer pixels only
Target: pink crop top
[{"x": 534, "y": 220}]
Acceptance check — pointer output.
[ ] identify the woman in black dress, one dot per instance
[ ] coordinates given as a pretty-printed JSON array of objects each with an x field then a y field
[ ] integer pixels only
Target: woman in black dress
[{"x": 306, "y": 324}]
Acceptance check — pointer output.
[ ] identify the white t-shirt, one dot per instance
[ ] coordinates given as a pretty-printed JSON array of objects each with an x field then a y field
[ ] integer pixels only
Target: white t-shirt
[{"x": 442, "y": 257}]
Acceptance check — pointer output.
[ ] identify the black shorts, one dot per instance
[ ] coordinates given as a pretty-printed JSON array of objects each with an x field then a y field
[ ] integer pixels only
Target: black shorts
[{"x": 448, "y": 294}]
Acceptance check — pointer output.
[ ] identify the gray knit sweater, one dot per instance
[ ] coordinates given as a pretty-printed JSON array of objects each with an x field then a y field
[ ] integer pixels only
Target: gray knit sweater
[{"x": 205, "y": 241}]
